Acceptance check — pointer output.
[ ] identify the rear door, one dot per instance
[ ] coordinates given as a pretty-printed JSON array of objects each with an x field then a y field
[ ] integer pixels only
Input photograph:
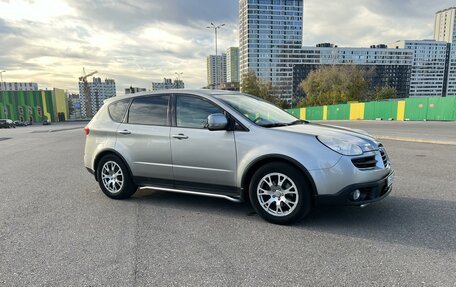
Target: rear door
[
  {"x": 202, "y": 159},
  {"x": 143, "y": 139}
]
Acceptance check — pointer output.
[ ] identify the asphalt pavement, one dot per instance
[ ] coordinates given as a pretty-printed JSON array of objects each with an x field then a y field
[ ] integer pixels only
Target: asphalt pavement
[{"x": 57, "y": 228}]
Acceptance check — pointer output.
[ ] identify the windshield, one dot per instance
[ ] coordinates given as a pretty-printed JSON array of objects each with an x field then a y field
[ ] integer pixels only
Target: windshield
[{"x": 258, "y": 110}]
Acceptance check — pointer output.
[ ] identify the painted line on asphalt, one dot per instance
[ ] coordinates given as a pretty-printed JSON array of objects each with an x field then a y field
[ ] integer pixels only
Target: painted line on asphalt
[
  {"x": 416, "y": 140},
  {"x": 55, "y": 131}
]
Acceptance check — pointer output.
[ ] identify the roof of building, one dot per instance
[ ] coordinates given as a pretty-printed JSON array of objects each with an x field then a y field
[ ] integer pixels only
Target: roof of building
[{"x": 444, "y": 10}]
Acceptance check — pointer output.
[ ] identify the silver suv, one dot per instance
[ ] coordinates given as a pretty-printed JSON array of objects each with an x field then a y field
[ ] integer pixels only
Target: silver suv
[{"x": 233, "y": 146}]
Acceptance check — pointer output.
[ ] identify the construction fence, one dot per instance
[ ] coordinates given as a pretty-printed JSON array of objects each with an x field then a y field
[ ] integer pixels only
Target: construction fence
[{"x": 412, "y": 109}]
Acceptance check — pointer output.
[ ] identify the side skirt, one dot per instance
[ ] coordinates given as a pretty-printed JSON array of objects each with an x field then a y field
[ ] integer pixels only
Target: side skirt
[{"x": 229, "y": 193}]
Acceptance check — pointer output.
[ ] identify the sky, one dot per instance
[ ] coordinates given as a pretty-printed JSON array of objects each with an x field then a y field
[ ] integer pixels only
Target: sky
[{"x": 138, "y": 42}]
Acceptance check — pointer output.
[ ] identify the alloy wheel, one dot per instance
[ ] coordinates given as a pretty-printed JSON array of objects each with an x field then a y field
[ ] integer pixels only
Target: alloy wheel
[{"x": 277, "y": 194}]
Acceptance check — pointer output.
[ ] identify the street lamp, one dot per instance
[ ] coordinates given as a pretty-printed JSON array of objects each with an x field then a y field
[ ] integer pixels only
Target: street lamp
[
  {"x": 178, "y": 75},
  {"x": 1, "y": 79},
  {"x": 216, "y": 27},
  {"x": 178, "y": 78}
]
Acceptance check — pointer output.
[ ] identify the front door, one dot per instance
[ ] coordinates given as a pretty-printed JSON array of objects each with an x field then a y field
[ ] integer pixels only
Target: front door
[{"x": 203, "y": 159}]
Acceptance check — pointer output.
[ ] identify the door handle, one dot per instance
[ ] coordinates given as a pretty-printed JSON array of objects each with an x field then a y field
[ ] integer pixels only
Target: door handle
[
  {"x": 124, "y": 132},
  {"x": 180, "y": 137}
]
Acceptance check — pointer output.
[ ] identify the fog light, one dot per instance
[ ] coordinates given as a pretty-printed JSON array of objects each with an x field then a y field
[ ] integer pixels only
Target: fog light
[{"x": 356, "y": 194}]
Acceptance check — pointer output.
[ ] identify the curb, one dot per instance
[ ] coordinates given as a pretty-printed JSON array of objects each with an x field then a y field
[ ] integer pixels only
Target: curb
[{"x": 416, "y": 140}]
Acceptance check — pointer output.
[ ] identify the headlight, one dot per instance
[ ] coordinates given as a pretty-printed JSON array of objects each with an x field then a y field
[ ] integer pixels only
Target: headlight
[{"x": 341, "y": 146}]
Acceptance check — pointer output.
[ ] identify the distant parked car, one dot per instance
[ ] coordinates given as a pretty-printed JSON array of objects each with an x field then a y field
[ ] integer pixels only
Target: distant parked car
[
  {"x": 20, "y": 124},
  {"x": 46, "y": 123},
  {"x": 7, "y": 123}
]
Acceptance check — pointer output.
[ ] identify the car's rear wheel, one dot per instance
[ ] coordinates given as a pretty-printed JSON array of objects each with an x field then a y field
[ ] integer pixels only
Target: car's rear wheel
[
  {"x": 279, "y": 193},
  {"x": 114, "y": 178}
]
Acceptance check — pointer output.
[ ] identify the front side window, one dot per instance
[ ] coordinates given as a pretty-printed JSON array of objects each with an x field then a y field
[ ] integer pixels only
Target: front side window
[
  {"x": 117, "y": 110},
  {"x": 152, "y": 110},
  {"x": 192, "y": 112}
]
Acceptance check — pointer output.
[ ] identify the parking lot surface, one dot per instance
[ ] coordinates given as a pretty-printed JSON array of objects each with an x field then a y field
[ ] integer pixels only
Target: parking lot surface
[{"x": 58, "y": 228}]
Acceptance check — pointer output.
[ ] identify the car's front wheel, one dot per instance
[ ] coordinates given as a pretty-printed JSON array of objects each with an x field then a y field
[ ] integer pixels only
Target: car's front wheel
[
  {"x": 114, "y": 178},
  {"x": 279, "y": 193}
]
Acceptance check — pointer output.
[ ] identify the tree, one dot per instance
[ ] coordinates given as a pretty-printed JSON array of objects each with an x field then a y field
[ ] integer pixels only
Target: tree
[
  {"x": 254, "y": 86},
  {"x": 70, "y": 107},
  {"x": 385, "y": 92},
  {"x": 331, "y": 85}
]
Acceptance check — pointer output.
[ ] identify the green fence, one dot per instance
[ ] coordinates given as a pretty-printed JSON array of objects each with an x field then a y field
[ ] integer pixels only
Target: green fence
[
  {"x": 416, "y": 109},
  {"x": 441, "y": 109},
  {"x": 338, "y": 112},
  {"x": 380, "y": 110},
  {"x": 314, "y": 113},
  {"x": 295, "y": 112}
]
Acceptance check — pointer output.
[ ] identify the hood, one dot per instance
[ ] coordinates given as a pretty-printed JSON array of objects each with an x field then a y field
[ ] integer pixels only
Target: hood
[{"x": 358, "y": 137}]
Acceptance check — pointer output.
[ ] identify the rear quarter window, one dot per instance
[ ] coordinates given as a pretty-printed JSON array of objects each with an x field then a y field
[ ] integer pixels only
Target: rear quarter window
[{"x": 118, "y": 109}]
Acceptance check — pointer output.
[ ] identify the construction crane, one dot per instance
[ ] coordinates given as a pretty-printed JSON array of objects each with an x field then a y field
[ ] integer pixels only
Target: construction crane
[{"x": 85, "y": 84}]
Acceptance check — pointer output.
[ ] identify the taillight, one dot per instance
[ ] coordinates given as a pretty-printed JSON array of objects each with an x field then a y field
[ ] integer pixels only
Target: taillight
[{"x": 86, "y": 131}]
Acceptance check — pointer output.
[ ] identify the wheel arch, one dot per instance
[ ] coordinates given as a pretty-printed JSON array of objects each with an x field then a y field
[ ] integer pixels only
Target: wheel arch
[
  {"x": 105, "y": 153},
  {"x": 253, "y": 166}
]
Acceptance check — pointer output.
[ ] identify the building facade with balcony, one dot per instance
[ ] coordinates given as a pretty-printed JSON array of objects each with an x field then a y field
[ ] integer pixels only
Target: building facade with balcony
[
  {"x": 386, "y": 67},
  {"x": 98, "y": 92},
  {"x": 270, "y": 40}
]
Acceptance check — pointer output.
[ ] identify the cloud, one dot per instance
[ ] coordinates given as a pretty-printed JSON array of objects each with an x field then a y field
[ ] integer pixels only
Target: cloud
[
  {"x": 137, "y": 42},
  {"x": 366, "y": 22},
  {"x": 131, "y": 15}
]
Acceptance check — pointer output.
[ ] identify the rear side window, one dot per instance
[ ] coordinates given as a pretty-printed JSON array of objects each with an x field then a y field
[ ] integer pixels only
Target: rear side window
[
  {"x": 151, "y": 110},
  {"x": 117, "y": 110},
  {"x": 192, "y": 112}
]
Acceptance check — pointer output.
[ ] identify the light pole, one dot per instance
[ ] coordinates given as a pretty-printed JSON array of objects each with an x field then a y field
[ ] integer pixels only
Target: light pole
[
  {"x": 216, "y": 27},
  {"x": 178, "y": 78},
  {"x": 1, "y": 79}
]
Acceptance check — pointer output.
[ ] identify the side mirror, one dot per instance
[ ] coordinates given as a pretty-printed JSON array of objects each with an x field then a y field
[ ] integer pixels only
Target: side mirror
[{"x": 217, "y": 122}]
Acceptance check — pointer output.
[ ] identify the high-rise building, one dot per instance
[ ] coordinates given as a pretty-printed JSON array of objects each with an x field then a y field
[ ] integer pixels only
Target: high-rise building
[
  {"x": 98, "y": 92},
  {"x": 216, "y": 70},
  {"x": 444, "y": 30},
  {"x": 168, "y": 84},
  {"x": 74, "y": 100},
  {"x": 232, "y": 65},
  {"x": 388, "y": 67},
  {"x": 444, "y": 25},
  {"x": 270, "y": 37},
  {"x": 134, "y": 90},
  {"x": 16, "y": 86},
  {"x": 428, "y": 69}
]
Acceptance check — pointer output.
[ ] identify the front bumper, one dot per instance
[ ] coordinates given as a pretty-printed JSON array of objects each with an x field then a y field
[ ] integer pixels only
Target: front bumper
[{"x": 369, "y": 192}]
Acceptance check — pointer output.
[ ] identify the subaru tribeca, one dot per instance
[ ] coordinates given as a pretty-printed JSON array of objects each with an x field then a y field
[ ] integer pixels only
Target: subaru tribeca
[{"x": 233, "y": 146}]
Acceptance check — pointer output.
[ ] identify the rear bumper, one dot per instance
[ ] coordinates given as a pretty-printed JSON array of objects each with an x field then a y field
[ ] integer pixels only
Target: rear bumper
[{"x": 369, "y": 192}]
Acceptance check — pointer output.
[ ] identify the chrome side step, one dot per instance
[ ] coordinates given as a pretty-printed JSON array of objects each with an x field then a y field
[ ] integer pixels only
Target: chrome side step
[{"x": 232, "y": 199}]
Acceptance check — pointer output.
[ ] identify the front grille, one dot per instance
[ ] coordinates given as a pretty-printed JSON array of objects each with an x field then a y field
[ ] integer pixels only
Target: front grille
[
  {"x": 365, "y": 162},
  {"x": 383, "y": 154}
]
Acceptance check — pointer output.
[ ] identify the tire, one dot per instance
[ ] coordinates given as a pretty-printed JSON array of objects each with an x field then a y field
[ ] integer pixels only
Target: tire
[
  {"x": 280, "y": 194},
  {"x": 115, "y": 187}
]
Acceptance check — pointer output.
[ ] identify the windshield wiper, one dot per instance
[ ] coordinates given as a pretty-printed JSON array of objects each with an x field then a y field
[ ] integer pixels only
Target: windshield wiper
[
  {"x": 274, "y": 125},
  {"x": 298, "y": 122}
]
